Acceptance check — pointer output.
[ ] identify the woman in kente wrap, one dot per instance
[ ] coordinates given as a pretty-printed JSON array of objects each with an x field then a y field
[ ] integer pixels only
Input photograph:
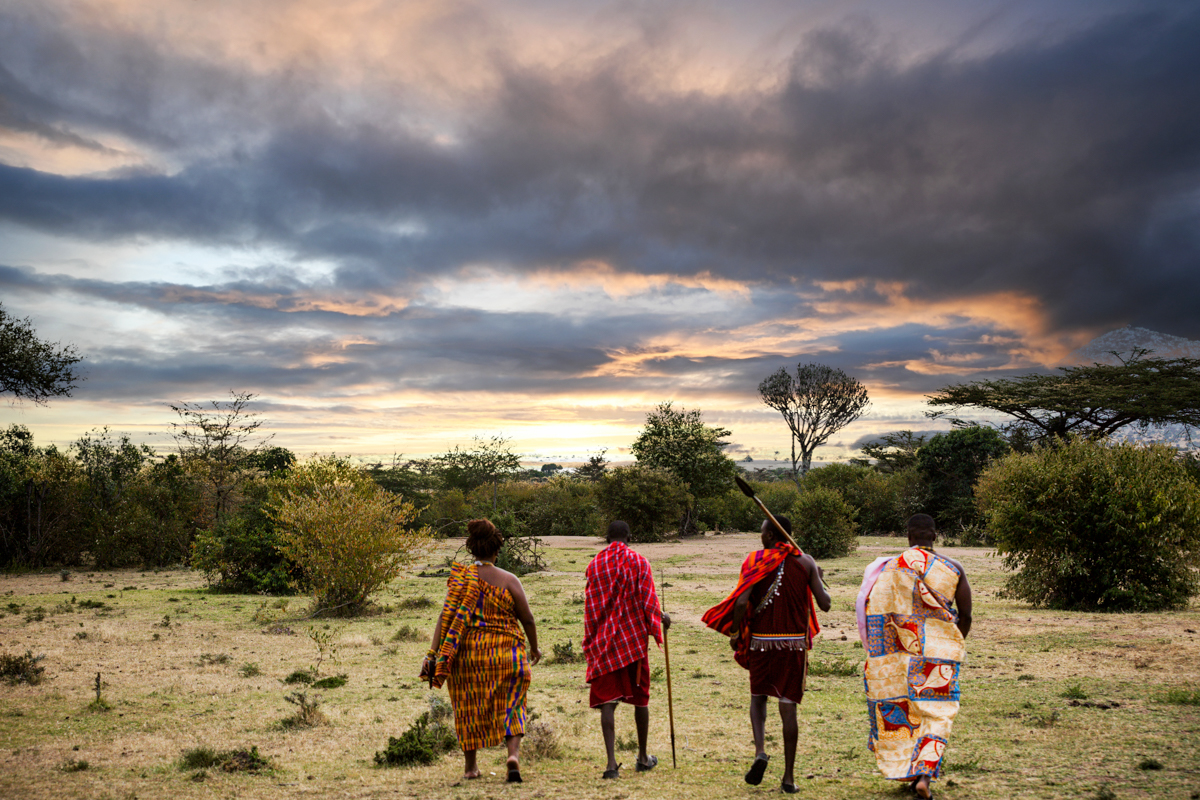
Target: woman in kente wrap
[
  {"x": 479, "y": 651},
  {"x": 914, "y": 639},
  {"x": 771, "y": 619}
]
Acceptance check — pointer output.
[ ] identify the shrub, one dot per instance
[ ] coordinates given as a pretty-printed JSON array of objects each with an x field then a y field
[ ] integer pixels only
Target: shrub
[
  {"x": 21, "y": 669},
  {"x": 564, "y": 653},
  {"x": 236, "y": 760},
  {"x": 1095, "y": 526},
  {"x": 238, "y": 556},
  {"x": 425, "y": 741},
  {"x": 950, "y": 465},
  {"x": 541, "y": 740},
  {"x": 347, "y": 536},
  {"x": 651, "y": 500},
  {"x": 562, "y": 506},
  {"x": 308, "y": 711},
  {"x": 822, "y": 523}
]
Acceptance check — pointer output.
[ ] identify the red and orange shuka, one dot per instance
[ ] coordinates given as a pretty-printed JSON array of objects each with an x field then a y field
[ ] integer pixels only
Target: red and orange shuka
[{"x": 759, "y": 565}]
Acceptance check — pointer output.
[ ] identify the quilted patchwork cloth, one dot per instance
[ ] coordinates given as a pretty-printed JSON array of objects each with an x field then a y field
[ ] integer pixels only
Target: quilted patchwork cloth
[{"x": 914, "y": 655}]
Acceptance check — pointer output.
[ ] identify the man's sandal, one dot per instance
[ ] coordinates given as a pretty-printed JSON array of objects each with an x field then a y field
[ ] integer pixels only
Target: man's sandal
[
  {"x": 611, "y": 774},
  {"x": 788, "y": 788},
  {"x": 755, "y": 775}
]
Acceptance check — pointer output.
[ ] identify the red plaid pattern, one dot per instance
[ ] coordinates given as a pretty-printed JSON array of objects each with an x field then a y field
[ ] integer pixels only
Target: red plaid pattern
[{"x": 620, "y": 610}]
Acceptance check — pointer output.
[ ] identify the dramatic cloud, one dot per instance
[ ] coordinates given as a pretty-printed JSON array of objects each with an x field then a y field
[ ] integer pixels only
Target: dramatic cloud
[{"x": 542, "y": 218}]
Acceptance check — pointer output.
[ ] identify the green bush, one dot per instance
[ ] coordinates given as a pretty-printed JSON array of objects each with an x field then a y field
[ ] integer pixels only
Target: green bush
[
  {"x": 881, "y": 501},
  {"x": 651, "y": 500},
  {"x": 950, "y": 465},
  {"x": 21, "y": 669},
  {"x": 241, "y": 554},
  {"x": 562, "y": 506},
  {"x": 1089, "y": 525},
  {"x": 348, "y": 536},
  {"x": 822, "y": 523},
  {"x": 446, "y": 513},
  {"x": 425, "y": 741}
]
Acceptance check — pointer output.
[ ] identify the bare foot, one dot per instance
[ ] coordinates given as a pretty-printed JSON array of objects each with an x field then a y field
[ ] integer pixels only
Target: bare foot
[
  {"x": 921, "y": 787},
  {"x": 472, "y": 775}
]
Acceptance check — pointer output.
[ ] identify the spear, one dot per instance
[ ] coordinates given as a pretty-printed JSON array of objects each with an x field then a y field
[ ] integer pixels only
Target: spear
[
  {"x": 749, "y": 492},
  {"x": 667, "y": 658}
]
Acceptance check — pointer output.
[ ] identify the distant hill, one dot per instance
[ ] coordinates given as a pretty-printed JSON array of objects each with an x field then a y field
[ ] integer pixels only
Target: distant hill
[{"x": 1126, "y": 340}]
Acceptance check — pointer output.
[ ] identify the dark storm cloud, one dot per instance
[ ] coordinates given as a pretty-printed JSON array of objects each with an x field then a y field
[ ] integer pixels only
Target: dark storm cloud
[{"x": 1067, "y": 169}]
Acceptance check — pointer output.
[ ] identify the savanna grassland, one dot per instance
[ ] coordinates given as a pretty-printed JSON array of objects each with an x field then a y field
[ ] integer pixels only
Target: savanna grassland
[{"x": 1054, "y": 704}]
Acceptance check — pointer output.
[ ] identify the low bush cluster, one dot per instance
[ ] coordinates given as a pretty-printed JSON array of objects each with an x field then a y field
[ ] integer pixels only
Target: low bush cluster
[
  {"x": 427, "y": 739},
  {"x": 21, "y": 669},
  {"x": 236, "y": 760},
  {"x": 822, "y": 523},
  {"x": 1089, "y": 525}
]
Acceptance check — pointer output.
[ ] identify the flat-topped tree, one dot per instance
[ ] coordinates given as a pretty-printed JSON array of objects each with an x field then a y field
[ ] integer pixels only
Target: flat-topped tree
[
  {"x": 1092, "y": 401},
  {"x": 32, "y": 369},
  {"x": 816, "y": 402}
]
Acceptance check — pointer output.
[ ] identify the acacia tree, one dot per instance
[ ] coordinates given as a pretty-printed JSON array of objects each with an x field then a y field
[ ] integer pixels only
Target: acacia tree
[
  {"x": 33, "y": 369},
  {"x": 677, "y": 440},
  {"x": 487, "y": 462},
  {"x": 1092, "y": 401},
  {"x": 595, "y": 468},
  {"x": 816, "y": 402},
  {"x": 220, "y": 436},
  {"x": 891, "y": 452}
]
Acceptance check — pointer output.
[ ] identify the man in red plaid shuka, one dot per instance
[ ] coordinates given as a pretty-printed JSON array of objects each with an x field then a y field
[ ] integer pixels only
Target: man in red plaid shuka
[{"x": 621, "y": 612}]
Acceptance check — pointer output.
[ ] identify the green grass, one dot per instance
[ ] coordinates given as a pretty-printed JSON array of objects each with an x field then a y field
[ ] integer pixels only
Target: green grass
[{"x": 1182, "y": 697}]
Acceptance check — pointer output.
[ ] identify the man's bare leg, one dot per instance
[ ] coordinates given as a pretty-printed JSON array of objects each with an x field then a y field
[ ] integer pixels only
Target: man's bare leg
[
  {"x": 758, "y": 723},
  {"x": 608, "y": 727},
  {"x": 791, "y": 733},
  {"x": 641, "y": 719},
  {"x": 470, "y": 767}
]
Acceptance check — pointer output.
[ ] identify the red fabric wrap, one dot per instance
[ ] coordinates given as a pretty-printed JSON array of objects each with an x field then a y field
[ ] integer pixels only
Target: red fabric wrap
[
  {"x": 757, "y": 566},
  {"x": 620, "y": 610},
  {"x": 630, "y": 683}
]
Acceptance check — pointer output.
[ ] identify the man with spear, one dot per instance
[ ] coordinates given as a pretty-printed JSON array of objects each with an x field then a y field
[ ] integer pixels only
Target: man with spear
[
  {"x": 621, "y": 612},
  {"x": 771, "y": 620}
]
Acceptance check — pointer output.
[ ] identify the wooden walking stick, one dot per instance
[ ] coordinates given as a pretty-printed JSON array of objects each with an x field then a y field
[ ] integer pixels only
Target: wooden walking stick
[{"x": 667, "y": 658}]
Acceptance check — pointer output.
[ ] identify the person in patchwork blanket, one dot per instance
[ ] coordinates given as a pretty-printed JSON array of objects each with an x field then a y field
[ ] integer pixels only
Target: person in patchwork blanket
[{"x": 914, "y": 613}]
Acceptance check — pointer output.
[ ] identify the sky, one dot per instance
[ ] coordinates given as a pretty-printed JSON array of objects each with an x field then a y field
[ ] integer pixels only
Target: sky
[{"x": 404, "y": 224}]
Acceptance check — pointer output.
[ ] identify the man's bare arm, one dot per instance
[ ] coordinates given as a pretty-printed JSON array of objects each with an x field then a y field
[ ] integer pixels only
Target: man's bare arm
[
  {"x": 824, "y": 602},
  {"x": 962, "y": 600}
]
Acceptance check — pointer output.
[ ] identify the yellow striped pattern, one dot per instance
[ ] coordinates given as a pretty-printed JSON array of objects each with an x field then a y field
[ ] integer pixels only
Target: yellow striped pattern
[{"x": 489, "y": 678}]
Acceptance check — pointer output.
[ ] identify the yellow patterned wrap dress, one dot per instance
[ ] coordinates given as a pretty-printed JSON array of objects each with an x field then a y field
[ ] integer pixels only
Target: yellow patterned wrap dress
[
  {"x": 914, "y": 654},
  {"x": 483, "y": 658}
]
